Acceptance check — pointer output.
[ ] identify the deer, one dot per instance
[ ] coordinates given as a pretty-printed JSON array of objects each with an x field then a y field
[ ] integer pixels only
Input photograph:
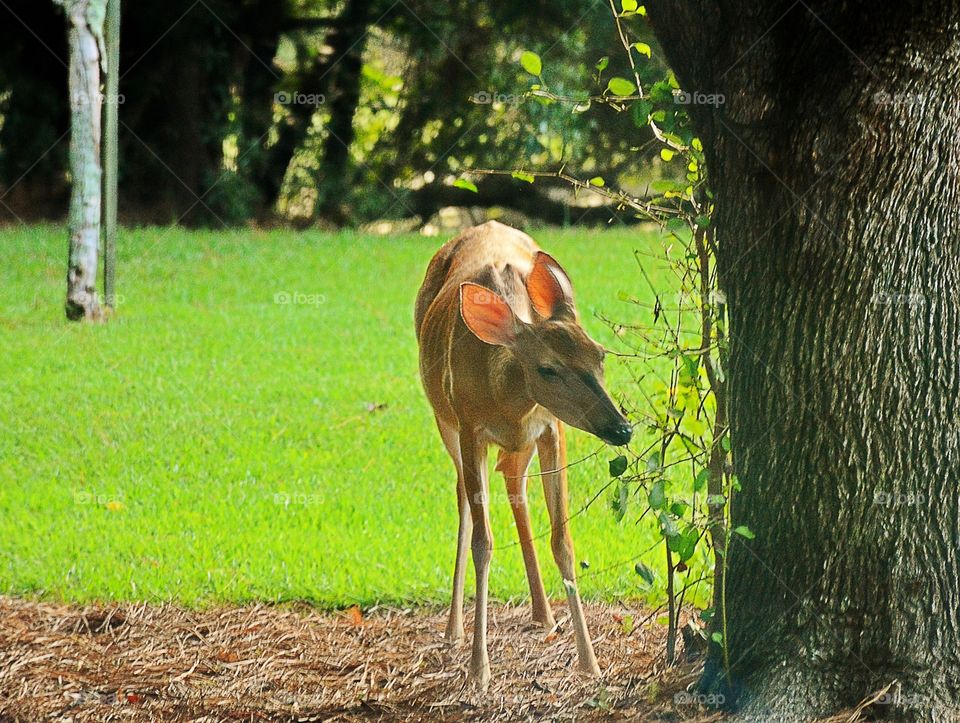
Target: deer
[{"x": 505, "y": 362}]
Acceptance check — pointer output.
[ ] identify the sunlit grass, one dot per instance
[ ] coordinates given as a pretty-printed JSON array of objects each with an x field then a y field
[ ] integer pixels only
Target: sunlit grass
[{"x": 251, "y": 424}]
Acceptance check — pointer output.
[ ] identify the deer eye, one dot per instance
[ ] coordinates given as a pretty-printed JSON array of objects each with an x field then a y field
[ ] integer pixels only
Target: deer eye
[{"x": 548, "y": 373}]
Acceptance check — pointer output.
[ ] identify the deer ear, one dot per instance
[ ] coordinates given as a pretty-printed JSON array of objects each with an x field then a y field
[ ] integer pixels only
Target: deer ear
[
  {"x": 487, "y": 315},
  {"x": 549, "y": 287}
]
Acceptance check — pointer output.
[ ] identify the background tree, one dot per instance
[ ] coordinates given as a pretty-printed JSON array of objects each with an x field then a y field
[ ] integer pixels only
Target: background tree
[
  {"x": 35, "y": 109},
  {"x": 834, "y": 167},
  {"x": 217, "y": 125},
  {"x": 85, "y": 19}
]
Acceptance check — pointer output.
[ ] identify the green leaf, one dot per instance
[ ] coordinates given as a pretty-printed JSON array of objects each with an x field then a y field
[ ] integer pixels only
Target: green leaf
[
  {"x": 645, "y": 572},
  {"x": 620, "y": 86},
  {"x": 700, "y": 482},
  {"x": 653, "y": 461},
  {"x": 667, "y": 154},
  {"x": 465, "y": 185},
  {"x": 629, "y": 6},
  {"x": 744, "y": 531},
  {"x": 684, "y": 544},
  {"x": 657, "y": 497},
  {"x": 603, "y": 63},
  {"x": 597, "y": 181},
  {"x": 717, "y": 638},
  {"x": 694, "y": 426},
  {"x": 642, "y": 48},
  {"x": 668, "y": 526},
  {"x": 521, "y": 176},
  {"x": 531, "y": 62},
  {"x": 666, "y": 186},
  {"x": 619, "y": 500},
  {"x": 618, "y": 465},
  {"x": 641, "y": 112}
]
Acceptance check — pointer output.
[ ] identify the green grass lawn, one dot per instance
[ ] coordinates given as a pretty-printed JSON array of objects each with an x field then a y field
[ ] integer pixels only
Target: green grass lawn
[{"x": 213, "y": 444}]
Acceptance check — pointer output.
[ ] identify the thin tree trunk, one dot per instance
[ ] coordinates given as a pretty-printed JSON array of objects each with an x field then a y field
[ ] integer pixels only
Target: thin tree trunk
[
  {"x": 322, "y": 79},
  {"x": 261, "y": 30},
  {"x": 85, "y": 18},
  {"x": 835, "y": 165},
  {"x": 348, "y": 42}
]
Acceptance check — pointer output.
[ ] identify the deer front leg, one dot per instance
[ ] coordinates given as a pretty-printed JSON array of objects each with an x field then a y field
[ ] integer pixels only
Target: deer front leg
[
  {"x": 451, "y": 441},
  {"x": 553, "y": 457},
  {"x": 474, "y": 455},
  {"x": 454, "y": 632},
  {"x": 514, "y": 467}
]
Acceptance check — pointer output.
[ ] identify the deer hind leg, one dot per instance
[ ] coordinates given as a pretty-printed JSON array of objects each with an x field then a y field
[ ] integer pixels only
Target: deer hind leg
[
  {"x": 474, "y": 454},
  {"x": 553, "y": 457},
  {"x": 454, "y": 632},
  {"x": 514, "y": 467}
]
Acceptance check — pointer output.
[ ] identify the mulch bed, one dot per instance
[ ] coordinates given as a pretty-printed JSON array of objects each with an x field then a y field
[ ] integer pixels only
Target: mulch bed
[{"x": 132, "y": 662}]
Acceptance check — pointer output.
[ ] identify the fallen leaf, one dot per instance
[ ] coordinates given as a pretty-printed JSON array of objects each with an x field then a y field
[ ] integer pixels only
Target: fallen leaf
[{"x": 354, "y": 615}]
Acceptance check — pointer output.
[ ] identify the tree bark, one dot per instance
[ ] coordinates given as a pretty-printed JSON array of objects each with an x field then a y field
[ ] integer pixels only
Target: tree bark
[
  {"x": 85, "y": 19},
  {"x": 835, "y": 165}
]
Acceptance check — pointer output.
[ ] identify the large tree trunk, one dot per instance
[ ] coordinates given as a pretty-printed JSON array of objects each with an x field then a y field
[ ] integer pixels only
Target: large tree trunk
[
  {"x": 835, "y": 163},
  {"x": 85, "y": 18}
]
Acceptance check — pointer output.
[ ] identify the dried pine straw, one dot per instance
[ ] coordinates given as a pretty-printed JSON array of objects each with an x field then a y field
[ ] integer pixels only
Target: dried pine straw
[
  {"x": 267, "y": 663},
  {"x": 139, "y": 662}
]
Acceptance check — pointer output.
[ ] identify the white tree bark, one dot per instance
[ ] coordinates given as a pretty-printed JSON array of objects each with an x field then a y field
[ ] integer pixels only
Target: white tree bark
[{"x": 85, "y": 31}]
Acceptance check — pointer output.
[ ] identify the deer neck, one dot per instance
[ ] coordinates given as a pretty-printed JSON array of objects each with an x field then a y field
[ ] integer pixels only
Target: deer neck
[{"x": 508, "y": 385}]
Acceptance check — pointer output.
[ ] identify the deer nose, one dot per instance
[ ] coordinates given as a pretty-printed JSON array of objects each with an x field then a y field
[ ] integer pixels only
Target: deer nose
[{"x": 618, "y": 434}]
